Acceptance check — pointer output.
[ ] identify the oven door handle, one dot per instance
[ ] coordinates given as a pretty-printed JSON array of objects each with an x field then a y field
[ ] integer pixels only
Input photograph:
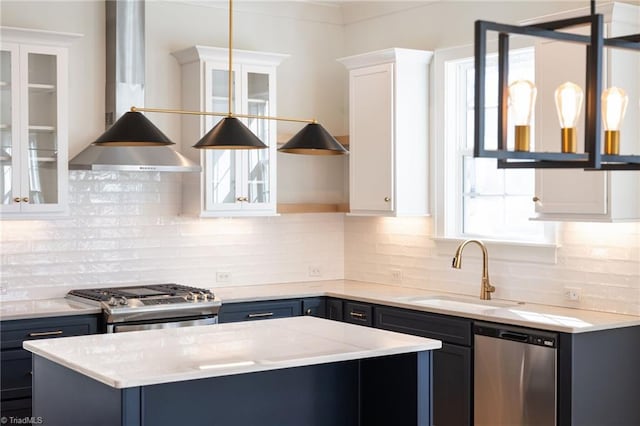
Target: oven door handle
[{"x": 118, "y": 328}]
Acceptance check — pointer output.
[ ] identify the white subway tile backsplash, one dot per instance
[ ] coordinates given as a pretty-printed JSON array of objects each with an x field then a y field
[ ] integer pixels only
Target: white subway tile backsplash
[
  {"x": 125, "y": 227},
  {"x": 602, "y": 259}
]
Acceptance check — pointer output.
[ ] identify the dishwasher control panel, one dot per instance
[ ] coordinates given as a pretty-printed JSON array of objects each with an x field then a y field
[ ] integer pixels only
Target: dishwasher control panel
[{"x": 522, "y": 335}]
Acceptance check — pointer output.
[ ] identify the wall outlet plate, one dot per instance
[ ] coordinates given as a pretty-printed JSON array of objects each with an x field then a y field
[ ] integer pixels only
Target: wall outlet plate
[
  {"x": 315, "y": 271},
  {"x": 223, "y": 277},
  {"x": 573, "y": 294}
]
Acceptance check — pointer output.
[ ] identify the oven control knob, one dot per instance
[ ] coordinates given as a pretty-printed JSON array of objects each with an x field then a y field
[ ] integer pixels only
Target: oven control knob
[
  {"x": 113, "y": 301},
  {"x": 124, "y": 301},
  {"x": 192, "y": 296}
]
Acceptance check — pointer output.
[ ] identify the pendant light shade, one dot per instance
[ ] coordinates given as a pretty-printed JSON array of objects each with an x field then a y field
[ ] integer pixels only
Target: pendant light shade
[
  {"x": 313, "y": 139},
  {"x": 133, "y": 129},
  {"x": 230, "y": 133}
]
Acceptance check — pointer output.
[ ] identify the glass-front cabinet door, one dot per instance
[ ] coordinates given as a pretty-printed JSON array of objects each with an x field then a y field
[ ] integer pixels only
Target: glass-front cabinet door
[
  {"x": 240, "y": 182},
  {"x": 9, "y": 128},
  {"x": 33, "y": 129}
]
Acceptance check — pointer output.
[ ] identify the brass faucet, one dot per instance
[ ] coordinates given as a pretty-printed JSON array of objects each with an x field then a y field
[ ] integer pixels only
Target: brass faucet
[{"x": 485, "y": 287}]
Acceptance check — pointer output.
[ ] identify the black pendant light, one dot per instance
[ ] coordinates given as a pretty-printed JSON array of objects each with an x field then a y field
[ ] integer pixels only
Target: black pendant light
[
  {"x": 133, "y": 129},
  {"x": 313, "y": 139},
  {"x": 230, "y": 133}
]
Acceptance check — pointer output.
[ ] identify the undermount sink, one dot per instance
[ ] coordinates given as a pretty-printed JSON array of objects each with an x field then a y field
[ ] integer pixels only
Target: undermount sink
[{"x": 460, "y": 303}]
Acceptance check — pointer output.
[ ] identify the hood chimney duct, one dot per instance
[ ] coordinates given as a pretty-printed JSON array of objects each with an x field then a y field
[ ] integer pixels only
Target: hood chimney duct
[{"x": 125, "y": 81}]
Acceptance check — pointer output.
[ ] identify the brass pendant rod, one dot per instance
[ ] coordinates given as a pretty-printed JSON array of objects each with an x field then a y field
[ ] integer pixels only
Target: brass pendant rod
[
  {"x": 222, "y": 114},
  {"x": 230, "y": 54}
]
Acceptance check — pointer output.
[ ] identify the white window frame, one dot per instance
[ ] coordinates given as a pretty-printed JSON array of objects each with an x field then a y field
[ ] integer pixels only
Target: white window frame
[{"x": 448, "y": 209}]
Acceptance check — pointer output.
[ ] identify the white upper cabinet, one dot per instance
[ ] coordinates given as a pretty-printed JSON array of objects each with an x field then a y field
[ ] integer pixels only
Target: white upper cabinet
[
  {"x": 388, "y": 118},
  {"x": 577, "y": 195},
  {"x": 33, "y": 123},
  {"x": 233, "y": 182}
]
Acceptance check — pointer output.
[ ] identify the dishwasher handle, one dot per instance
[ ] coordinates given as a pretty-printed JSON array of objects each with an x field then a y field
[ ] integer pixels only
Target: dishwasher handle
[{"x": 510, "y": 335}]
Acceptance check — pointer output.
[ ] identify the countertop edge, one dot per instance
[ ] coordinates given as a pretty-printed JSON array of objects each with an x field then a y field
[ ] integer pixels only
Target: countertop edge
[{"x": 338, "y": 289}]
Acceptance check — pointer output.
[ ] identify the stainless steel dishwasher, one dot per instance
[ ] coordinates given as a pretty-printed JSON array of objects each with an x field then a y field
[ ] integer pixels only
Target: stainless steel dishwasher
[{"x": 514, "y": 376}]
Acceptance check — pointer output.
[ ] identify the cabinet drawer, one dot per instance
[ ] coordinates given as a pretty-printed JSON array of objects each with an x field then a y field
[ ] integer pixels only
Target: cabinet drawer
[
  {"x": 15, "y": 374},
  {"x": 448, "y": 329},
  {"x": 14, "y": 332},
  {"x": 358, "y": 313},
  {"x": 259, "y": 310}
]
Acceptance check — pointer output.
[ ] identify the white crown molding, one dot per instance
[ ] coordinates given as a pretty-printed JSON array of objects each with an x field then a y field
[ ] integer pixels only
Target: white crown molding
[
  {"x": 27, "y": 35},
  {"x": 337, "y": 12}
]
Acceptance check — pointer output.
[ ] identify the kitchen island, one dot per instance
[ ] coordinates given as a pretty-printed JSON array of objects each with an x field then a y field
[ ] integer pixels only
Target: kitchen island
[{"x": 291, "y": 371}]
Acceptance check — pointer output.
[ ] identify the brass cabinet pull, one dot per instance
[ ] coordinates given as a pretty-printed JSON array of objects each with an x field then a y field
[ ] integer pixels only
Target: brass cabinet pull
[
  {"x": 308, "y": 312},
  {"x": 261, "y": 315},
  {"x": 535, "y": 199},
  {"x": 17, "y": 199},
  {"x": 46, "y": 333},
  {"x": 242, "y": 199},
  {"x": 387, "y": 199},
  {"x": 25, "y": 199},
  {"x": 358, "y": 315}
]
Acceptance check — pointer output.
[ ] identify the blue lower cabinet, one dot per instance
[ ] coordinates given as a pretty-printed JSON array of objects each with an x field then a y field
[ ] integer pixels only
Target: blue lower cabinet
[
  {"x": 334, "y": 309},
  {"x": 15, "y": 362},
  {"x": 452, "y": 365},
  {"x": 315, "y": 306}
]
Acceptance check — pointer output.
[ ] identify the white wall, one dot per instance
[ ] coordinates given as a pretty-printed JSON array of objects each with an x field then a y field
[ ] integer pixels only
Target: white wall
[
  {"x": 601, "y": 259},
  {"x": 125, "y": 227}
]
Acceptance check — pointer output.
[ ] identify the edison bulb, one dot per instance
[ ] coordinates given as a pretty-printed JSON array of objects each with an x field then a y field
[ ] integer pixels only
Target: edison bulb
[
  {"x": 614, "y": 106},
  {"x": 569, "y": 98},
  {"x": 522, "y": 97}
]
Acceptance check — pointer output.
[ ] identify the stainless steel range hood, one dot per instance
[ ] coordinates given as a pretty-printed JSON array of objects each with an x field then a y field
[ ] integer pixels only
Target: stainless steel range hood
[{"x": 125, "y": 49}]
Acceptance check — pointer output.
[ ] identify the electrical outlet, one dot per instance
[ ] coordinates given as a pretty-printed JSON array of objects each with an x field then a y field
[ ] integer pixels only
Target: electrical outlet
[
  {"x": 223, "y": 277},
  {"x": 396, "y": 275},
  {"x": 315, "y": 271},
  {"x": 572, "y": 294}
]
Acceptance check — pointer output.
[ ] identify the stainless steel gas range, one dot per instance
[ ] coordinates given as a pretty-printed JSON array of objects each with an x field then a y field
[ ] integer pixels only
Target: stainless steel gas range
[{"x": 151, "y": 306}]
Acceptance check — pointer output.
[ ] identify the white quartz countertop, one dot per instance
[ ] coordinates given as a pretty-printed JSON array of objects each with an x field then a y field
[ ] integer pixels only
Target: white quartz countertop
[
  {"x": 26, "y": 309},
  {"x": 545, "y": 317},
  {"x": 151, "y": 357}
]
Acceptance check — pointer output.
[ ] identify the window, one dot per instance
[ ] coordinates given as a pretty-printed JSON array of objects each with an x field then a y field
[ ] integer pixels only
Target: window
[{"x": 478, "y": 199}]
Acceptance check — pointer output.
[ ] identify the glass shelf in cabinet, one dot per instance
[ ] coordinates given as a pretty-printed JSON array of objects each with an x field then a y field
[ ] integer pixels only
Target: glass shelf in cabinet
[
  {"x": 46, "y": 129},
  {"x": 42, "y": 88}
]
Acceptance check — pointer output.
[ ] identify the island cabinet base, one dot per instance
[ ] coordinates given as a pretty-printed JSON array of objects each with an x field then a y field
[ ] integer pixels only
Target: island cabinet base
[{"x": 387, "y": 390}]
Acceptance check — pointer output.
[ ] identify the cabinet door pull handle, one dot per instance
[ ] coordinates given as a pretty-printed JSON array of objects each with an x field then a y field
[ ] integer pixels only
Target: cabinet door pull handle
[
  {"x": 46, "y": 333},
  {"x": 387, "y": 199},
  {"x": 535, "y": 199},
  {"x": 17, "y": 199},
  {"x": 25, "y": 199},
  {"x": 261, "y": 315},
  {"x": 308, "y": 311},
  {"x": 358, "y": 315}
]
